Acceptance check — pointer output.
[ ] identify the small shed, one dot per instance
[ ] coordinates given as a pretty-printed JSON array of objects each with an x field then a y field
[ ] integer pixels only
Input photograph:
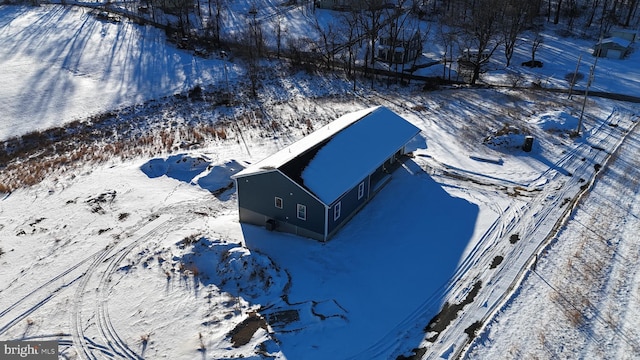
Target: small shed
[
  {"x": 315, "y": 185},
  {"x": 612, "y": 48}
]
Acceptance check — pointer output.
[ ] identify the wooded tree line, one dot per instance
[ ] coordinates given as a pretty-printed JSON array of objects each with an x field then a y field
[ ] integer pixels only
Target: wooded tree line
[
  {"x": 467, "y": 30},
  {"x": 484, "y": 26}
]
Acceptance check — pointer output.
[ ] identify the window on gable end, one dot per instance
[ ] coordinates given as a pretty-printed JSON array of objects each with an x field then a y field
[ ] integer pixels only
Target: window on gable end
[{"x": 278, "y": 202}]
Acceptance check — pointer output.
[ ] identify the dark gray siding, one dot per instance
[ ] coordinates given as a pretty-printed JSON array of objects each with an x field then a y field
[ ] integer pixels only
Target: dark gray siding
[
  {"x": 257, "y": 193},
  {"x": 349, "y": 204}
]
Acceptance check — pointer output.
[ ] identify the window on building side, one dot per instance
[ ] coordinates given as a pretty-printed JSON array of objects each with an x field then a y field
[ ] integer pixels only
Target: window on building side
[
  {"x": 278, "y": 202},
  {"x": 336, "y": 210},
  {"x": 361, "y": 190},
  {"x": 302, "y": 212}
]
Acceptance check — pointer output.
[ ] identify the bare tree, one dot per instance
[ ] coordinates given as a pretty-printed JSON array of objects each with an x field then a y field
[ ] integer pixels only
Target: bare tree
[
  {"x": 449, "y": 38},
  {"x": 481, "y": 34},
  {"x": 180, "y": 8},
  {"x": 556, "y": 17},
  {"x": 421, "y": 38},
  {"x": 328, "y": 37},
  {"x": 398, "y": 34},
  {"x": 252, "y": 43},
  {"x": 279, "y": 28},
  {"x": 632, "y": 8},
  {"x": 350, "y": 23},
  {"x": 572, "y": 13},
  {"x": 537, "y": 41},
  {"x": 592, "y": 13},
  {"x": 517, "y": 15},
  {"x": 220, "y": 8},
  {"x": 372, "y": 23}
]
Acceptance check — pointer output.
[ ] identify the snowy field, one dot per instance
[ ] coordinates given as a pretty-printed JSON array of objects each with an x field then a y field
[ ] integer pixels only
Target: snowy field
[
  {"x": 61, "y": 64},
  {"x": 146, "y": 258}
]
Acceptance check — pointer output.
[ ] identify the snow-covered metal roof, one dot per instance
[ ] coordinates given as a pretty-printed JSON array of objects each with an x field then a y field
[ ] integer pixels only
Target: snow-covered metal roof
[
  {"x": 353, "y": 146},
  {"x": 355, "y": 152},
  {"x": 616, "y": 40}
]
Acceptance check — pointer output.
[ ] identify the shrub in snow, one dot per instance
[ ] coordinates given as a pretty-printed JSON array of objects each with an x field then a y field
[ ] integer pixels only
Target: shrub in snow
[
  {"x": 249, "y": 274},
  {"x": 230, "y": 267},
  {"x": 507, "y": 138},
  {"x": 556, "y": 121}
]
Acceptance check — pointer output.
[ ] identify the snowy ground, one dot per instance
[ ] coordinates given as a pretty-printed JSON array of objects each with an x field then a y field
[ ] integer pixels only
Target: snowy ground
[
  {"x": 146, "y": 258},
  {"x": 62, "y": 64},
  {"x": 115, "y": 252},
  {"x": 581, "y": 299}
]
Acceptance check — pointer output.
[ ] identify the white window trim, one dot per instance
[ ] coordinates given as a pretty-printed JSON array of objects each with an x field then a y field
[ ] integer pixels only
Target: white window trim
[
  {"x": 276, "y": 202},
  {"x": 302, "y": 208},
  {"x": 360, "y": 190},
  {"x": 337, "y": 210}
]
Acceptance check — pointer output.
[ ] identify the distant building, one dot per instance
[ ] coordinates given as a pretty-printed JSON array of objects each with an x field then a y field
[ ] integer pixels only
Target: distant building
[
  {"x": 612, "y": 48},
  {"x": 629, "y": 35},
  {"x": 402, "y": 48},
  {"x": 314, "y": 186}
]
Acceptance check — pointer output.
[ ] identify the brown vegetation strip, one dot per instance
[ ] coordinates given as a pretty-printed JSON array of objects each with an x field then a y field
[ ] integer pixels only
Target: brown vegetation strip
[{"x": 128, "y": 133}]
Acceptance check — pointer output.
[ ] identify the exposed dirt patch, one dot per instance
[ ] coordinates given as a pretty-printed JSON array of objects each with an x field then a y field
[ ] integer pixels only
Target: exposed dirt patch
[
  {"x": 282, "y": 317},
  {"x": 449, "y": 312},
  {"x": 243, "y": 332},
  {"x": 417, "y": 354},
  {"x": 472, "y": 330},
  {"x": 496, "y": 261},
  {"x": 514, "y": 238},
  {"x": 96, "y": 202}
]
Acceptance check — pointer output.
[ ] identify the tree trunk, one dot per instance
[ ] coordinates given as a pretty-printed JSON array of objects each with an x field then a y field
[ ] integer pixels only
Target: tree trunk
[
  {"x": 632, "y": 7},
  {"x": 476, "y": 74},
  {"x": 556, "y": 18},
  {"x": 593, "y": 13}
]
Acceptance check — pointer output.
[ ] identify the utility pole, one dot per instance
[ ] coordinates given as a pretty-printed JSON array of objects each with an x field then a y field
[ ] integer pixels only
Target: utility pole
[
  {"x": 223, "y": 55},
  {"x": 584, "y": 102},
  {"x": 586, "y": 91},
  {"x": 575, "y": 75}
]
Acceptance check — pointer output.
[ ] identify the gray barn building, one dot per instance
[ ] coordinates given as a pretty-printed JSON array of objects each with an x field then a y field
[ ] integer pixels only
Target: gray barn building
[
  {"x": 315, "y": 185},
  {"x": 612, "y": 48}
]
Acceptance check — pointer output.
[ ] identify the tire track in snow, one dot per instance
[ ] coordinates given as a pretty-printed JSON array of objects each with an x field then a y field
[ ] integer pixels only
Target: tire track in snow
[
  {"x": 105, "y": 324},
  {"x": 45, "y": 292},
  {"x": 115, "y": 346},
  {"x": 77, "y": 330},
  {"x": 172, "y": 216}
]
